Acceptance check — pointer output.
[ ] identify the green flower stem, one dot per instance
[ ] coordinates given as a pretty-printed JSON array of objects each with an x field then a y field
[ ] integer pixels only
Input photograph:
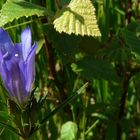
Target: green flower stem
[{"x": 84, "y": 119}]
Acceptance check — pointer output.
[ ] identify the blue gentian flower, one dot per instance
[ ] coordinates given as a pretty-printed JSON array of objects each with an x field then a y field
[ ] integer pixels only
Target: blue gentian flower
[{"x": 17, "y": 65}]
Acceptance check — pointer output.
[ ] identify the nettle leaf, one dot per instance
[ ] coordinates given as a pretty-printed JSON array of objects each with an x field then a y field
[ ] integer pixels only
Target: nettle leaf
[
  {"x": 15, "y": 9},
  {"x": 78, "y": 18},
  {"x": 91, "y": 68},
  {"x": 69, "y": 131},
  {"x": 70, "y": 45},
  {"x": 66, "y": 45},
  {"x": 131, "y": 40}
]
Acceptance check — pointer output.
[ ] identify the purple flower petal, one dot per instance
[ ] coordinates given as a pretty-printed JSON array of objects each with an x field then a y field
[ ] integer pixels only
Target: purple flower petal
[
  {"x": 16, "y": 80},
  {"x": 30, "y": 68},
  {"x": 6, "y": 44},
  {"x": 18, "y": 84},
  {"x": 5, "y": 75},
  {"x": 17, "y": 65},
  {"x": 26, "y": 41}
]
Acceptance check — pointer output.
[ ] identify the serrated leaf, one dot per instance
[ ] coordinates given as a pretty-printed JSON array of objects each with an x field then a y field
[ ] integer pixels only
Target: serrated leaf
[
  {"x": 91, "y": 68},
  {"x": 15, "y": 9},
  {"x": 78, "y": 18},
  {"x": 69, "y": 131},
  {"x": 66, "y": 45}
]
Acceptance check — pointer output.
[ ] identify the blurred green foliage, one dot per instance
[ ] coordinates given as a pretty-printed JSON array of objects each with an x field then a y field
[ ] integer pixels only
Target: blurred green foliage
[{"x": 109, "y": 109}]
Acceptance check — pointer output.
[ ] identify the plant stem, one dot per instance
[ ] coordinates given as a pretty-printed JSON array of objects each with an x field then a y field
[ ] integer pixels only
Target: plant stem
[
  {"x": 52, "y": 71},
  {"x": 84, "y": 123},
  {"x": 84, "y": 118},
  {"x": 122, "y": 103},
  {"x": 51, "y": 5},
  {"x": 58, "y": 4},
  {"x": 137, "y": 8},
  {"x": 128, "y": 11},
  {"x": 68, "y": 100},
  {"x": 106, "y": 19}
]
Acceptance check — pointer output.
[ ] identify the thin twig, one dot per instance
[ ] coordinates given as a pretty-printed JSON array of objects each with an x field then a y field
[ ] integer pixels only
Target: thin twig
[
  {"x": 128, "y": 11},
  {"x": 122, "y": 103}
]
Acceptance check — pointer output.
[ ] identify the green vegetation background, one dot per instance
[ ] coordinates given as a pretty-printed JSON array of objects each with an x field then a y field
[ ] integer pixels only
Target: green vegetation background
[{"x": 109, "y": 108}]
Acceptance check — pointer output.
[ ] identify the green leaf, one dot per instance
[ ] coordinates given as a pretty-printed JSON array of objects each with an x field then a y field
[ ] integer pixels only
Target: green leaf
[
  {"x": 4, "y": 115},
  {"x": 66, "y": 45},
  {"x": 69, "y": 131},
  {"x": 92, "y": 126},
  {"x": 131, "y": 40},
  {"x": 40, "y": 44},
  {"x": 69, "y": 45},
  {"x": 9, "y": 127},
  {"x": 78, "y": 18},
  {"x": 91, "y": 68},
  {"x": 15, "y": 9}
]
